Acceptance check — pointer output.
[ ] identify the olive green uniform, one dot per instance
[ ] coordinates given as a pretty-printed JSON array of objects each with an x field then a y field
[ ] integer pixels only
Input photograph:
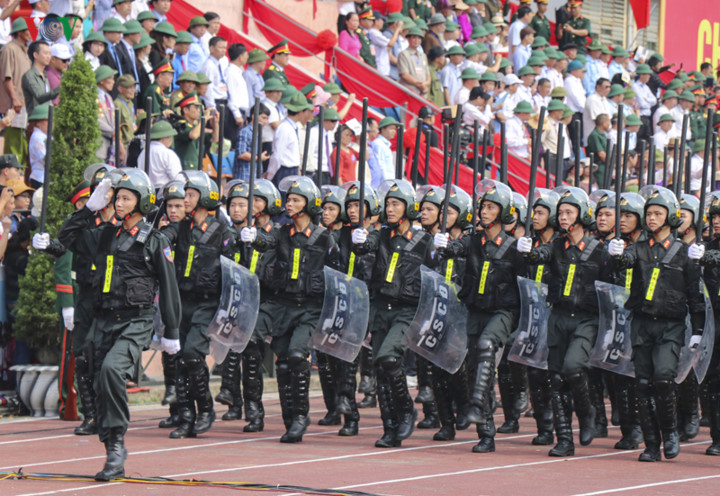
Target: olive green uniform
[
  {"x": 160, "y": 98},
  {"x": 366, "y": 52},
  {"x": 275, "y": 71},
  {"x": 189, "y": 149},
  {"x": 541, "y": 25},
  {"x": 580, "y": 41}
]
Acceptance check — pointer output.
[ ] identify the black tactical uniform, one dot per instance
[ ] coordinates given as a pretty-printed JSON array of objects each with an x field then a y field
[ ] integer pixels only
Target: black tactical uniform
[{"x": 130, "y": 265}]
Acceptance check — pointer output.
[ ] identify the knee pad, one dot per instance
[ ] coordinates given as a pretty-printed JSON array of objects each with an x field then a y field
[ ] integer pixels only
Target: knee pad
[
  {"x": 194, "y": 364},
  {"x": 486, "y": 350},
  {"x": 556, "y": 381},
  {"x": 282, "y": 367},
  {"x": 643, "y": 385},
  {"x": 388, "y": 364},
  {"x": 297, "y": 362},
  {"x": 664, "y": 387}
]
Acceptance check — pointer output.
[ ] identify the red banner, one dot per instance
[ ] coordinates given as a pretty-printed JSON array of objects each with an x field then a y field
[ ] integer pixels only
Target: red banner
[{"x": 692, "y": 33}]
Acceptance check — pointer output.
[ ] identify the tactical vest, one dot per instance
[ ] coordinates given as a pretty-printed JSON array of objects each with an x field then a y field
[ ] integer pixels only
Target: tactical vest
[
  {"x": 197, "y": 262},
  {"x": 572, "y": 283},
  {"x": 711, "y": 276},
  {"x": 453, "y": 269},
  {"x": 396, "y": 274},
  {"x": 123, "y": 279},
  {"x": 490, "y": 281},
  {"x": 262, "y": 264},
  {"x": 358, "y": 266},
  {"x": 83, "y": 265},
  {"x": 299, "y": 263}
]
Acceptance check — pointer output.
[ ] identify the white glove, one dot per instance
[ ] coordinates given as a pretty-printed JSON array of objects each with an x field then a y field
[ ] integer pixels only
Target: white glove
[
  {"x": 248, "y": 234},
  {"x": 694, "y": 340},
  {"x": 524, "y": 244},
  {"x": 155, "y": 344},
  {"x": 359, "y": 236},
  {"x": 441, "y": 240},
  {"x": 170, "y": 346},
  {"x": 616, "y": 247},
  {"x": 68, "y": 314},
  {"x": 41, "y": 241},
  {"x": 696, "y": 251},
  {"x": 99, "y": 199}
]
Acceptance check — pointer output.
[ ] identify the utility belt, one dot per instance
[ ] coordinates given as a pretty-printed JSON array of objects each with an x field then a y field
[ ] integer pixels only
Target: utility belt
[
  {"x": 121, "y": 314},
  {"x": 384, "y": 303},
  {"x": 660, "y": 318},
  {"x": 195, "y": 296}
]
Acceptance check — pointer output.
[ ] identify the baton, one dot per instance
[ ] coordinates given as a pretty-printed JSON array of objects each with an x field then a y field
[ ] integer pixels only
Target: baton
[
  {"x": 201, "y": 144},
  {"x": 559, "y": 161},
  {"x": 46, "y": 182},
  {"x": 703, "y": 182},
  {"x": 609, "y": 148},
  {"x": 399, "y": 149},
  {"x": 221, "y": 142},
  {"x": 677, "y": 172},
  {"x": 713, "y": 167},
  {"x": 576, "y": 146},
  {"x": 626, "y": 153},
  {"x": 503, "y": 154},
  {"x": 118, "y": 163},
  {"x": 641, "y": 164},
  {"x": 683, "y": 143},
  {"x": 148, "y": 125},
  {"x": 361, "y": 165},
  {"x": 254, "y": 142},
  {"x": 535, "y": 158},
  {"x": 338, "y": 138},
  {"x": 475, "y": 173},
  {"x": 321, "y": 135},
  {"x": 651, "y": 163},
  {"x": 427, "y": 156},
  {"x": 665, "y": 166},
  {"x": 455, "y": 142},
  {"x": 619, "y": 157},
  {"x": 446, "y": 154},
  {"x": 590, "y": 179},
  {"x": 688, "y": 174},
  {"x": 416, "y": 153},
  {"x": 306, "y": 149}
]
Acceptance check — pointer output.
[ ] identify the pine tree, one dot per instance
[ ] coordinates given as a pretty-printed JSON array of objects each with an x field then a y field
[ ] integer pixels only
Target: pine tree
[{"x": 75, "y": 138}]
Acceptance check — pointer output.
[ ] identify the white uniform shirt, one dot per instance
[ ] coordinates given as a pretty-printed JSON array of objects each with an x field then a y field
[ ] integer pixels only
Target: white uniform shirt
[
  {"x": 286, "y": 147},
  {"x": 165, "y": 165}
]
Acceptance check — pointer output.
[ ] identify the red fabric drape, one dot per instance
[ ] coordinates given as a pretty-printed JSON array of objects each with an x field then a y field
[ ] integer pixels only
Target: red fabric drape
[
  {"x": 302, "y": 41},
  {"x": 641, "y": 12}
]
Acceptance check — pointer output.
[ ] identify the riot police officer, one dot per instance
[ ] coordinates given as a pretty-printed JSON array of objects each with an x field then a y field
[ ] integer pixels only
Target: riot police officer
[{"x": 131, "y": 261}]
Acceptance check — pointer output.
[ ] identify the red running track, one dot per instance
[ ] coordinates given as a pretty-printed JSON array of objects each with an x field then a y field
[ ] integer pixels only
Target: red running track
[{"x": 324, "y": 460}]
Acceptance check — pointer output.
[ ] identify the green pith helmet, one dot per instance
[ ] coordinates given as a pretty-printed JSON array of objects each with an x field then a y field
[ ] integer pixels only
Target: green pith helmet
[
  {"x": 691, "y": 203},
  {"x": 208, "y": 189},
  {"x": 236, "y": 189},
  {"x": 305, "y": 187},
  {"x": 666, "y": 199},
  {"x": 579, "y": 199},
  {"x": 520, "y": 204},
  {"x": 548, "y": 199},
  {"x": 174, "y": 190},
  {"x": 462, "y": 202},
  {"x": 633, "y": 203},
  {"x": 403, "y": 191},
  {"x": 336, "y": 195},
  {"x": 500, "y": 194},
  {"x": 138, "y": 182},
  {"x": 266, "y": 190},
  {"x": 353, "y": 194},
  {"x": 95, "y": 173}
]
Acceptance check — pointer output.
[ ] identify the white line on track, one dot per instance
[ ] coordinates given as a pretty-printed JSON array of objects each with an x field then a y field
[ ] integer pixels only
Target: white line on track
[
  {"x": 653, "y": 484},
  {"x": 62, "y": 436}
]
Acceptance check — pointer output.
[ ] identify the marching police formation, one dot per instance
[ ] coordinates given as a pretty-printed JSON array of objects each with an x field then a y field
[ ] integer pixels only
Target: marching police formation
[{"x": 149, "y": 273}]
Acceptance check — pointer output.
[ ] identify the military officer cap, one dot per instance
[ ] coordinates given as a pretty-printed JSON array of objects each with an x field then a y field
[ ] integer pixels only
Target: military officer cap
[
  {"x": 82, "y": 190},
  {"x": 163, "y": 66},
  {"x": 189, "y": 99},
  {"x": 278, "y": 49},
  {"x": 367, "y": 13},
  {"x": 308, "y": 90}
]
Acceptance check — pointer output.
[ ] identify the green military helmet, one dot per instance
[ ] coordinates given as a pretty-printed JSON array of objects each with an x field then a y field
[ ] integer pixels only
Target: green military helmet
[
  {"x": 548, "y": 199},
  {"x": 714, "y": 202},
  {"x": 336, "y": 195},
  {"x": 691, "y": 203},
  {"x": 236, "y": 188},
  {"x": 520, "y": 204},
  {"x": 305, "y": 187},
  {"x": 462, "y": 202},
  {"x": 500, "y": 194},
  {"x": 266, "y": 190},
  {"x": 95, "y": 173},
  {"x": 174, "y": 190},
  {"x": 579, "y": 199},
  {"x": 208, "y": 189},
  {"x": 353, "y": 194},
  {"x": 603, "y": 198},
  {"x": 431, "y": 194},
  {"x": 633, "y": 203},
  {"x": 667, "y": 199},
  {"x": 138, "y": 182},
  {"x": 404, "y": 191}
]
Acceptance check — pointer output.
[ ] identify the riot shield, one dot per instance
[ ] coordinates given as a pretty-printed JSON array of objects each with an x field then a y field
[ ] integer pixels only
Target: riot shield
[
  {"x": 686, "y": 355},
  {"x": 235, "y": 319},
  {"x": 530, "y": 346},
  {"x": 344, "y": 318},
  {"x": 613, "y": 348},
  {"x": 703, "y": 353},
  {"x": 438, "y": 330}
]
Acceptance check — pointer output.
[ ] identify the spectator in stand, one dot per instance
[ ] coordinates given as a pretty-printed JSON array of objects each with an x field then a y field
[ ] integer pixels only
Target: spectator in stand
[
  {"x": 344, "y": 8},
  {"x": 93, "y": 47},
  {"x": 197, "y": 54},
  {"x": 576, "y": 97},
  {"x": 285, "y": 157},
  {"x": 36, "y": 148},
  {"x": 7, "y": 7},
  {"x": 142, "y": 53},
  {"x": 470, "y": 79},
  {"x": 367, "y": 53},
  {"x": 477, "y": 109},
  {"x": 436, "y": 58},
  {"x": 160, "y": 8},
  {"x": 348, "y": 156},
  {"x": 187, "y": 82},
  {"x": 272, "y": 94},
  {"x": 452, "y": 34},
  {"x": 435, "y": 34},
  {"x": 112, "y": 30},
  {"x": 516, "y": 131},
  {"x": 122, "y": 10},
  {"x": 645, "y": 99},
  {"x": 105, "y": 80},
  {"x": 23, "y": 198},
  {"x": 335, "y": 92},
  {"x": 164, "y": 35},
  {"x": 349, "y": 39},
  {"x": 392, "y": 22},
  {"x": 147, "y": 20},
  {"x": 180, "y": 60},
  {"x": 238, "y": 99},
  {"x": 669, "y": 102},
  {"x": 450, "y": 74},
  {"x": 508, "y": 99},
  {"x": 592, "y": 66},
  {"x": 576, "y": 29},
  {"x": 461, "y": 10},
  {"x": 663, "y": 135},
  {"x": 522, "y": 52},
  {"x": 217, "y": 93},
  {"x": 656, "y": 83},
  {"x": 280, "y": 55},
  {"x": 126, "y": 48},
  {"x": 40, "y": 10},
  {"x": 555, "y": 72},
  {"x": 413, "y": 65},
  {"x": 619, "y": 63},
  {"x": 165, "y": 165},
  {"x": 525, "y": 89},
  {"x": 127, "y": 89},
  {"x": 187, "y": 141},
  {"x": 596, "y": 104},
  {"x": 541, "y": 98},
  {"x": 597, "y": 145},
  {"x": 615, "y": 97},
  {"x": 253, "y": 77},
  {"x": 34, "y": 83},
  {"x": 14, "y": 63},
  {"x": 241, "y": 168},
  {"x": 381, "y": 163},
  {"x": 213, "y": 28},
  {"x": 59, "y": 60},
  {"x": 382, "y": 44},
  {"x": 550, "y": 135},
  {"x": 524, "y": 16}
]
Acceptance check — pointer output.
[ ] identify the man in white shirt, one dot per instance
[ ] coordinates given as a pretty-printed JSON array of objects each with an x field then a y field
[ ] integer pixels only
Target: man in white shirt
[
  {"x": 541, "y": 98},
  {"x": 555, "y": 73},
  {"x": 524, "y": 16},
  {"x": 596, "y": 104},
  {"x": 477, "y": 109},
  {"x": 271, "y": 98},
  {"x": 645, "y": 98},
  {"x": 574, "y": 87},
  {"x": 217, "y": 89},
  {"x": 663, "y": 135},
  {"x": 165, "y": 165},
  {"x": 696, "y": 168},
  {"x": 382, "y": 44},
  {"x": 669, "y": 101},
  {"x": 382, "y": 164},
  {"x": 285, "y": 159},
  {"x": 516, "y": 131},
  {"x": 470, "y": 80},
  {"x": 522, "y": 52},
  {"x": 330, "y": 120},
  {"x": 450, "y": 74},
  {"x": 509, "y": 98},
  {"x": 550, "y": 138},
  {"x": 686, "y": 101},
  {"x": 237, "y": 90},
  {"x": 527, "y": 78}
]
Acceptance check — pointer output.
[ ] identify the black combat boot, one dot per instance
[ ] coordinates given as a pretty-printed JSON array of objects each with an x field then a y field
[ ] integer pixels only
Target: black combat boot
[
  {"x": 199, "y": 376},
  {"x": 541, "y": 400},
  {"x": 626, "y": 401},
  {"x": 648, "y": 422},
  {"x": 86, "y": 392},
  {"x": 441, "y": 391},
  {"x": 505, "y": 384},
  {"x": 486, "y": 434},
  {"x": 173, "y": 420},
  {"x": 713, "y": 405},
  {"x": 562, "y": 417},
  {"x": 327, "y": 384},
  {"x": 186, "y": 405},
  {"x": 230, "y": 382},
  {"x": 170, "y": 371},
  {"x": 406, "y": 414},
  {"x": 424, "y": 380},
  {"x": 584, "y": 409},
  {"x": 688, "y": 411},
  {"x": 252, "y": 379},
  {"x": 285, "y": 392},
  {"x": 460, "y": 393},
  {"x": 597, "y": 399},
  {"x": 387, "y": 414},
  {"x": 300, "y": 381},
  {"x": 116, "y": 454},
  {"x": 667, "y": 417}
]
